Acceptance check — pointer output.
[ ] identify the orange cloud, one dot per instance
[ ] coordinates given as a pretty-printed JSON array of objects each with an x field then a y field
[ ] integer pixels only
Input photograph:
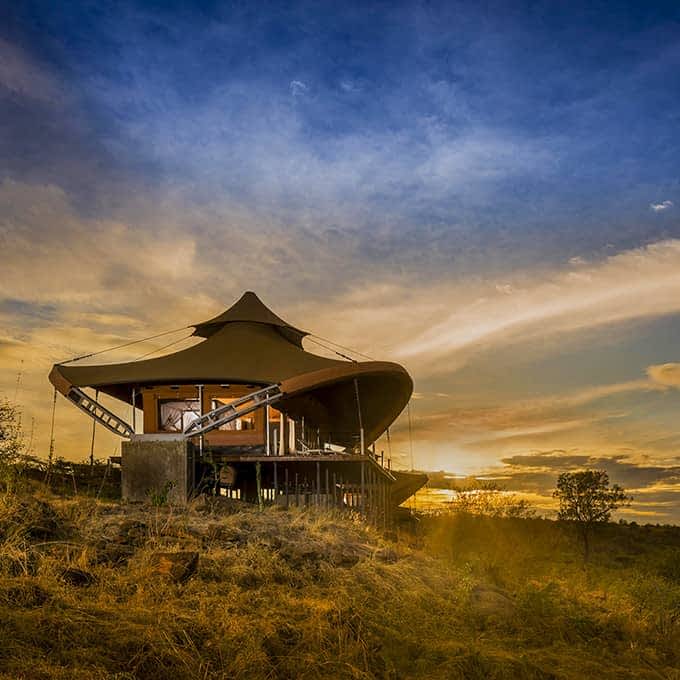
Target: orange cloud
[{"x": 665, "y": 374}]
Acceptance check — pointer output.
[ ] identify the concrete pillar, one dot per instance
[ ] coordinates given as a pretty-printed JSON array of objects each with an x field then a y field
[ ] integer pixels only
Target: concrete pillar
[{"x": 151, "y": 465}]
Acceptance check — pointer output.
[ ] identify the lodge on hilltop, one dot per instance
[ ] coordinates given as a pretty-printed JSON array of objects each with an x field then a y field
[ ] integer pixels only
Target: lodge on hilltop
[{"x": 248, "y": 412}]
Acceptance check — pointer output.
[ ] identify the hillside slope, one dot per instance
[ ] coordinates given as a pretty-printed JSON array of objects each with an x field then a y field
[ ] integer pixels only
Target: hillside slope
[{"x": 88, "y": 591}]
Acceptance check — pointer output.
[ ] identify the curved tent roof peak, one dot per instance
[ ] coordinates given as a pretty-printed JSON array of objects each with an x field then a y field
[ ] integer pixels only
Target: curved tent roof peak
[{"x": 248, "y": 309}]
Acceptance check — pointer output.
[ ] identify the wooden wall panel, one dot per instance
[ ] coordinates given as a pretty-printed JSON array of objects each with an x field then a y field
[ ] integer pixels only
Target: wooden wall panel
[{"x": 152, "y": 395}]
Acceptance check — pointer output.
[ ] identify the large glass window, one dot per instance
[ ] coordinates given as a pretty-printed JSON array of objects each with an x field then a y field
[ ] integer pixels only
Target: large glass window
[
  {"x": 246, "y": 422},
  {"x": 176, "y": 415}
]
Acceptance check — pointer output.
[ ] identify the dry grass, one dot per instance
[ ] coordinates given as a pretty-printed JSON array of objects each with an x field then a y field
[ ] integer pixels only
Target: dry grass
[{"x": 293, "y": 594}]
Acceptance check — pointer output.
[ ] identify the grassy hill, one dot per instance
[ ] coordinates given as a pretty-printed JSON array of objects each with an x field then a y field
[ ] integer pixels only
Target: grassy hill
[{"x": 87, "y": 590}]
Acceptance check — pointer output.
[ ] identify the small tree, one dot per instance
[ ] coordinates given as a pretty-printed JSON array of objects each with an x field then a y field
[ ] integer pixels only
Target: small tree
[
  {"x": 11, "y": 443},
  {"x": 587, "y": 499},
  {"x": 10, "y": 433}
]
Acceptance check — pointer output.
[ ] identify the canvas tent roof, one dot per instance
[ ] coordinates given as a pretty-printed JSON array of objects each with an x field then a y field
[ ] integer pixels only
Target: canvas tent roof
[
  {"x": 249, "y": 344},
  {"x": 250, "y": 309}
]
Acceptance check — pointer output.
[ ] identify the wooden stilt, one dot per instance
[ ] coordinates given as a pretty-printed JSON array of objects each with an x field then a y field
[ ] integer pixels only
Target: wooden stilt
[
  {"x": 318, "y": 483},
  {"x": 258, "y": 483},
  {"x": 327, "y": 489},
  {"x": 363, "y": 487},
  {"x": 376, "y": 501},
  {"x": 383, "y": 498},
  {"x": 386, "y": 508}
]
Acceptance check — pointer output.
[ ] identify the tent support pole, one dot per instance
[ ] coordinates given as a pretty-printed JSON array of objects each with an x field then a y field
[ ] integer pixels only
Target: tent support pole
[
  {"x": 134, "y": 410},
  {"x": 266, "y": 429},
  {"x": 200, "y": 412},
  {"x": 282, "y": 438},
  {"x": 94, "y": 430},
  {"x": 361, "y": 422}
]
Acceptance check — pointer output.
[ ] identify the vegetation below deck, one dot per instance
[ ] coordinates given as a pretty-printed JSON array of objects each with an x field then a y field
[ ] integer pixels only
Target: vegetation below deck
[{"x": 87, "y": 590}]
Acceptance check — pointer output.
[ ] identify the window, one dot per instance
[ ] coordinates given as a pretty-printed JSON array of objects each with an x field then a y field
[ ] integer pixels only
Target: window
[
  {"x": 246, "y": 422},
  {"x": 176, "y": 415}
]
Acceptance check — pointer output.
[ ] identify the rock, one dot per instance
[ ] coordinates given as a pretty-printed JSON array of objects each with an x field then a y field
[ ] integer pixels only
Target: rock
[
  {"x": 177, "y": 566},
  {"x": 77, "y": 577},
  {"x": 489, "y": 601}
]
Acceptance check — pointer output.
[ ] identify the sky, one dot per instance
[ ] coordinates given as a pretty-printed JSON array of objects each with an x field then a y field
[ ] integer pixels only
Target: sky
[{"x": 487, "y": 193}]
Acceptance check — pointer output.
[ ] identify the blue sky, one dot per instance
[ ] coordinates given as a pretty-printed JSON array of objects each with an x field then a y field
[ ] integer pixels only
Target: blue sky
[
  {"x": 487, "y": 192},
  {"x": 522, "y": 126}
]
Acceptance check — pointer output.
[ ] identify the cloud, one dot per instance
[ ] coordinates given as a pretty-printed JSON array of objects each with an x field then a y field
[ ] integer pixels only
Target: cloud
[
  {"x": 554, "y": 459},
  {"x": 430, "y": 395},
  {"x": 535, "y": 432},
  {"x": 350, "y": 86},
  {"x": 655, "y": 488},
  {"x": 9, "y": 342},
  {"x": 22, "y": 76},
  {"x": 621, "y": 469},
  {"x": 87, "y": 257},
  {"x": 665, "y": 374},
  {"x": 297, "y": 88},
  {"x": 491, "y": 427},
  {"x": 587, "y": 395},
  {"x": 602, "y": 418},
  {"x": 661, "y": 207},
  {"x": 638, "y": 283}
]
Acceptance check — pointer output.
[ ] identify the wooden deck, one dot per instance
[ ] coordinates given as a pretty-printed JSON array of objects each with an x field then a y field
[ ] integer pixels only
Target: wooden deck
[
  {"x": 325, "y": 480},
  {"x": 329, "y": 458}
]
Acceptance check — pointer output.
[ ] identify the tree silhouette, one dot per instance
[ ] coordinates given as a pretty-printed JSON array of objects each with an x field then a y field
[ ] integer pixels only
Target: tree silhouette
[{"x": 587, "y": 499}]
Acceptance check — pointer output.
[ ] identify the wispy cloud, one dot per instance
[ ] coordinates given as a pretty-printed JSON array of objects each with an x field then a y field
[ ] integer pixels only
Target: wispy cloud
[
  {"x": 643, "y": 282},
  {"x": 552, "y": 413},
  {"x": 661, "y": 207},
  {"x": 297, "y": 88},
  {"x": 21, "y": 75},
  {"x": 577, "y": 261}
]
